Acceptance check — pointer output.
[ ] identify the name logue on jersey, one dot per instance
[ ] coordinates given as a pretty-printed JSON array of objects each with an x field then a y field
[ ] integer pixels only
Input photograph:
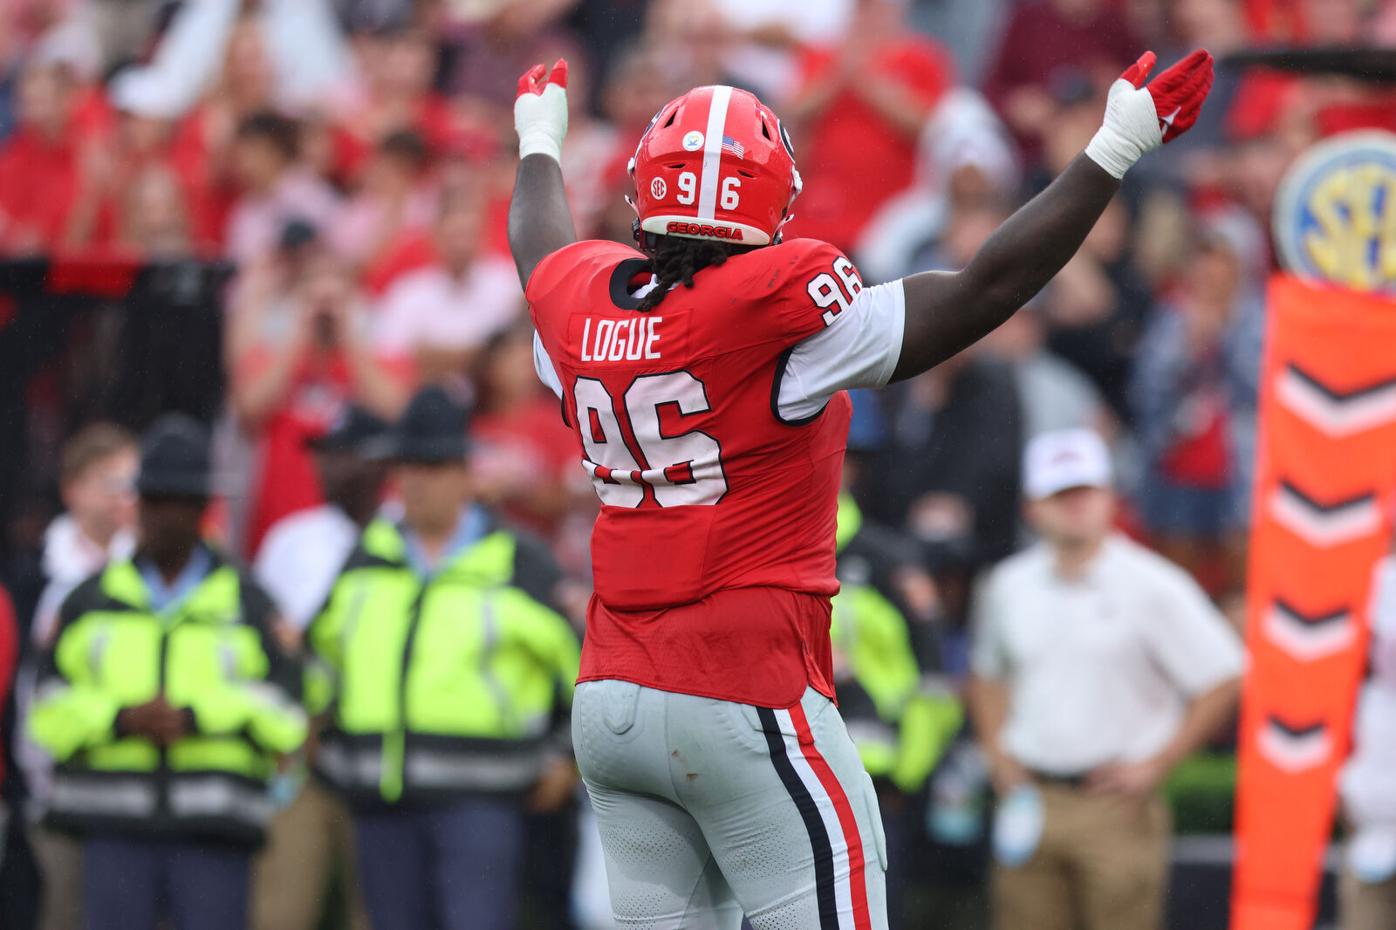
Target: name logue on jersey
[{"x": 616, "y": 340}]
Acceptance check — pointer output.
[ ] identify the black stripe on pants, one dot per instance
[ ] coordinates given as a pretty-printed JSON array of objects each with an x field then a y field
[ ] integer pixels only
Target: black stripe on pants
[{"x": 809, "y": 813}]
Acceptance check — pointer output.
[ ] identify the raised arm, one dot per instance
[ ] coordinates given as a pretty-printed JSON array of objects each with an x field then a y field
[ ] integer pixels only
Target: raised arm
[
  {"x": 540, "y": 221},
  {"x": 949, "y": 311}
]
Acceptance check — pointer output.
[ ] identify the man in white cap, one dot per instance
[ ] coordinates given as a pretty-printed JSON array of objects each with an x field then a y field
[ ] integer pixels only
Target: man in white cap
[{"x": 1097, "y": 667}]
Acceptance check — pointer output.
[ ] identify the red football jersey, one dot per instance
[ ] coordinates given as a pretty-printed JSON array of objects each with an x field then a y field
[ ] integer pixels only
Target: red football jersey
[{"x": 713, "y": 554}]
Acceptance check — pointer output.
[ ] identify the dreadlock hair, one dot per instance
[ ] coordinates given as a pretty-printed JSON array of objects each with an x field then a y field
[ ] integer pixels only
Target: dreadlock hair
[{"x": 675, "y": 260}]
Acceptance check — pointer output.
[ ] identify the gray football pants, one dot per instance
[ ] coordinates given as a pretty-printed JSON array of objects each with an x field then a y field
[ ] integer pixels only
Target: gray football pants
[{"x": 709, "y": 810}]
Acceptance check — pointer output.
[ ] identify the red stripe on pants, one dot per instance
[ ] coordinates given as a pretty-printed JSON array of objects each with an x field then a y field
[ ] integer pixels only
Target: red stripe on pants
[{"x": 857, "y": 879}]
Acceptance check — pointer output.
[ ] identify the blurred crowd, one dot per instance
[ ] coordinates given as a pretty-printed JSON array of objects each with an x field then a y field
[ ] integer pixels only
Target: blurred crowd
[{"x": 349, "y": 162}]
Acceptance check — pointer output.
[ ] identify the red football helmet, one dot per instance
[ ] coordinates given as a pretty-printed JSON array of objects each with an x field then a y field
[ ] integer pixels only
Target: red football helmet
[{"x": 715, "y": 164}]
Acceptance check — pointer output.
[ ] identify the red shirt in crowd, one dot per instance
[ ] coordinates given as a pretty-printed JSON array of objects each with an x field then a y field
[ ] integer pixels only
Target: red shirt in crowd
[
  {"x": 38, "y": 186},
  {"x": 285, "y": 479},
  {"x": 841, "y": 192},
  {"x": 1039, "y": 41},
  {"x": 522, "y": 450}
]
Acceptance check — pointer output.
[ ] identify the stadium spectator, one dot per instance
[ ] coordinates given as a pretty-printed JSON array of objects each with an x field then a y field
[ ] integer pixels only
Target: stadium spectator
[
  {"x": 443, "y": 662},
  {"x": 487, "y": 42},
  {"x": 299, "y": 349},
  {"x": 1094, "y": 310},
  {"x": 309, "y": 843},
  {"x": 443, "y": 314},
  {"x": 153, "y": 221},
  {"x": 97, "y": 478},
  {"x": 637, "y": 84},
  {"x": 955, "y": 497},
  {"x": 396, "y": 63},
  {"x": 136, "y": 684},
  {"x": 39, "y": 163},
  {"x": 901, "y": 722},
  {"x": 275, "y": 187},
  {"x": 1194, "y": 395},
  {"x": 107, "y": 210},
  {"x": 863, "y": 101},
  {"x": 523, "y": 462},
  {"x": 304, "y": 551},
  {"x": 1051, "y": 41},
  {"x": 392, "y": 202},
  {"x": 1052, "y": 394},
  {"x": 204, "y": 139},
  {"x": 1368, "y": 886},
  {"x": 948, "y": 472},
  {"x": 966, "y": 161},
  {"x": 1097, "y": 667}
]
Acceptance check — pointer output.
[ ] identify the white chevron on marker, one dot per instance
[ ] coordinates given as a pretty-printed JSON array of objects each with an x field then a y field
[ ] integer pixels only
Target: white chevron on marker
[
  {"x": 1335, "y": 412},
  {"x": 1309, "y": 638},
  {"x": 1325, "y": 525},
  {"x": 1295, "y": 749}
]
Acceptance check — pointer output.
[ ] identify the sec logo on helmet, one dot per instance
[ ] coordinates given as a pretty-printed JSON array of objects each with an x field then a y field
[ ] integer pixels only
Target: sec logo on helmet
[
  {"x": 1335, "y": 213},
  {"x": 658, "y": 188}
]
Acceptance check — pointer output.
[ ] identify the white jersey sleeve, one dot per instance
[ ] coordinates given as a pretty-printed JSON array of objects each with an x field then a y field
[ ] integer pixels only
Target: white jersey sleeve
[
  {"x": 860, "y": 348},
  {"x": 544, "y": 366}
]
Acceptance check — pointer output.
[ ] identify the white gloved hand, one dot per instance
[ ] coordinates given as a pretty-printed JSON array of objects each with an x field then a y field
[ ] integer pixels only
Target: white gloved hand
[
  {"x": 1139, "y": 118},
  {"x": 540, "y": 111}
]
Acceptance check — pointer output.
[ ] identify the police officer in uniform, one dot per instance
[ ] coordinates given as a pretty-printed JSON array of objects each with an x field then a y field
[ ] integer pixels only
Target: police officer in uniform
[
  {"x": 442, "y": 668},
  {"x": 166, "y": 700},
  {"x": 901, "y": 718}
]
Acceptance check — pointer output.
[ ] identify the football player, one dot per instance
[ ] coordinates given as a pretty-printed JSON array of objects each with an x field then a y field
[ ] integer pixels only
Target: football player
[{"x": 703, "y": 374}]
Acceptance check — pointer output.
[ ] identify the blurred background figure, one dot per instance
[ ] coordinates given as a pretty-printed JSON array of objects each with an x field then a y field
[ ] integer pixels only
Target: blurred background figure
[
  {"x": 442, "y": 315},
  {"x": 1194, "y": 395},
  {"x": 523, "y": 462},
  {"x": 900, "y": 713},
  {"x": 275, "y": 188},
  {"x": 98, "y": 482},
  {"x": 167, "y": 697},
  {"x": 865, "y": 100},
  {"x": 446, "y": 675},
  {"x": 1097, "y": 668},
  {"x": 1050, "y": 41},
  {"x": 310, "y": 849},
  {"x": 1368, "y": 889},
  {"x": 299, "y": 348}
]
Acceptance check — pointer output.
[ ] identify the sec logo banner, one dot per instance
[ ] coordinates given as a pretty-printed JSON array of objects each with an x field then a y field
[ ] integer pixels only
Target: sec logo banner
[{"x": 1335, "y": 213}]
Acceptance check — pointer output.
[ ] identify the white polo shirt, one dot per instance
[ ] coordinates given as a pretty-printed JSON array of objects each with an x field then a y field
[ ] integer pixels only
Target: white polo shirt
[
  {"x": 301, "y": 557},
  {"x": 1099, "y": 669}
]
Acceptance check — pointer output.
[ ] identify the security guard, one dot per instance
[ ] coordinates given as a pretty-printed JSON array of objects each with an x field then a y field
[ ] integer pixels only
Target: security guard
[
  {"x": 442, "y": 669},
  {"x": 901, "y": 720},
  {"x": 900, "y": 723},
  {"x": 167, "y": 699}
]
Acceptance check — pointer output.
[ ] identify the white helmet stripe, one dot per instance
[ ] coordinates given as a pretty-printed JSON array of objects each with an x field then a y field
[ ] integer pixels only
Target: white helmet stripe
[{"x": 712, "y": 151}]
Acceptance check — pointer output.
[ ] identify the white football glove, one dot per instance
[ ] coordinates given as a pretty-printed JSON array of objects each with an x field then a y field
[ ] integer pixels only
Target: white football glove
[
  {"x": 1139, "y": 117},
  {"x": 540, "y": 111}
]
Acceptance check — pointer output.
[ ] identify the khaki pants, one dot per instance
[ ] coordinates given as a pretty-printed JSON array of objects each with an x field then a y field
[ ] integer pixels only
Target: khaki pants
[
  {"x": 1102, "y": 864},
  {"x": 1366, "y": 907},
  {"x": 60, "y": 864},
  {"x": 307, "y": 844}
]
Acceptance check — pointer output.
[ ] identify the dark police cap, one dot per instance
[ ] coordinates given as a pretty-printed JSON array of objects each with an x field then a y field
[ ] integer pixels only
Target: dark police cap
[
  {"x": 176, "y": 458},
  {"x": 431, "y": 430},
  {"x": 355, "y": 430}
]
